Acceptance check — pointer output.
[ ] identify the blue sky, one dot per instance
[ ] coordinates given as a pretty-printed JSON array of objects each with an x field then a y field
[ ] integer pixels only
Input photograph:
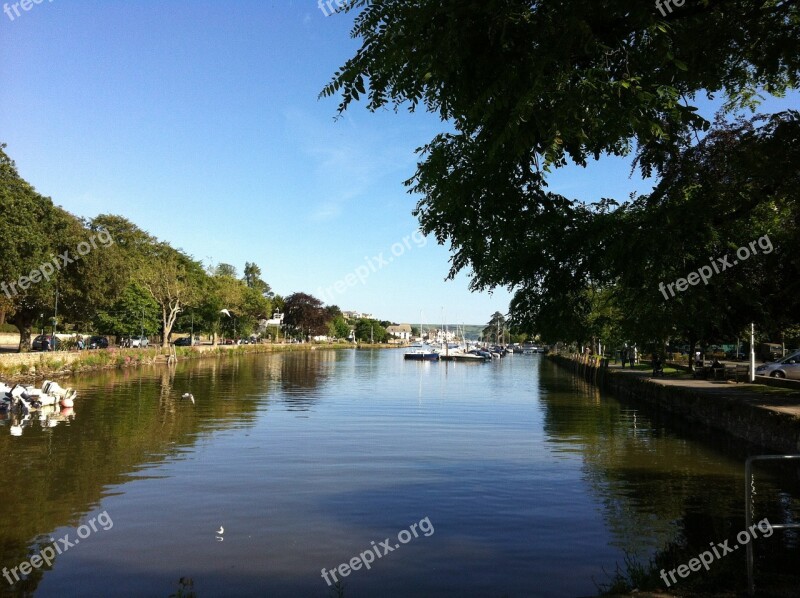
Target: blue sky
[{"x": 199, "y": 121}]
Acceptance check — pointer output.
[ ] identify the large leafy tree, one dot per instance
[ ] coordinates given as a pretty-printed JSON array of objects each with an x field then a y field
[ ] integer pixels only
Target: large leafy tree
[
  {"x": 35, "y": 235},
  {"x": 219, "y": 293},
  {"x": 526, "y": 86},
  {"x": 739, "y": 185},
  {"x": 255, "y": 307},
  {"x": 252, "y": 278},
  {"x": 608, "y": 277},
  {"x": 495, "y": 329},
  {"x": 229, "y": 304},
  {"x": 367, "y": 330},
  {"x": 174, "y": 282},
  {"x": 304, "y": 312},
  {"x": 339, "y": 328},
  {"x": 135, "y": 312}
]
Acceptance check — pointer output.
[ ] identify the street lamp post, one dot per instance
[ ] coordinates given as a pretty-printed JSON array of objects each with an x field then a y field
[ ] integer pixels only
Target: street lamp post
[
  {"x": 752, "y": 352},
  {"x": 55, "y": 323}
]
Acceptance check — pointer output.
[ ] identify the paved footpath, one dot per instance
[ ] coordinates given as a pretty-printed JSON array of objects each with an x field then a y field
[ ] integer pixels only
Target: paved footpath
[{"x": 781, "y": 400}]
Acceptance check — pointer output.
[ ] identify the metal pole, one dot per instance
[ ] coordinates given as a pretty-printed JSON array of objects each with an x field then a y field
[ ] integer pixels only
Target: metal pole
[
  {"x": 752, "y": 352},
  {"x": 55, "y": 323}
]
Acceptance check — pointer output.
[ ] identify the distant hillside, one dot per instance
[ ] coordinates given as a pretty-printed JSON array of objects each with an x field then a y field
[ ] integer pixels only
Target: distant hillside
[{"x": 471, "y": 331}]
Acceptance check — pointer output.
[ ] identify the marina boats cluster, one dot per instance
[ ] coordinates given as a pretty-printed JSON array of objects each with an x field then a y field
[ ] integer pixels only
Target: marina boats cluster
[
  {"x": 50, "y": 404},
  {"x": 467, "y": 352}
]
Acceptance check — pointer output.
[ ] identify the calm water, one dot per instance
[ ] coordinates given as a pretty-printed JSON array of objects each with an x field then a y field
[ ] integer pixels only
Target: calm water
[{"x": 534, "y": 484}]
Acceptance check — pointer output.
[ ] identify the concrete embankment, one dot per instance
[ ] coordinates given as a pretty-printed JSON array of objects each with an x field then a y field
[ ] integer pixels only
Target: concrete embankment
[{"x": 768, "y": 417}]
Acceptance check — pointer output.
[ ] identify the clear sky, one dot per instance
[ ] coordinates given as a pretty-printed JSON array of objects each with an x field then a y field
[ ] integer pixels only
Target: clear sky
[{"x": 199, "y": 121}]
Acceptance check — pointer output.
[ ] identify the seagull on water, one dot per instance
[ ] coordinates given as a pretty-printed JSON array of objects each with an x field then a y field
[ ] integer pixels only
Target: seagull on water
[{"x": 188, "y": 395}]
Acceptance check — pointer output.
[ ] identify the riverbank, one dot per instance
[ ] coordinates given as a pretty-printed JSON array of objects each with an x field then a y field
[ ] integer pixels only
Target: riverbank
[
  {"x": 31, "y": 367},
  {"x": 762, "y": 415}
]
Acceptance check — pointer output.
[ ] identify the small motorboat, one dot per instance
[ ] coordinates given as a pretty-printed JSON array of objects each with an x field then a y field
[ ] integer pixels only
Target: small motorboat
[
  {"x": 421, "y": 354},
  {"x": 469, "y": 356},
  {"x": 65, "y": 395},
  {"x": 27, "y": 398}
]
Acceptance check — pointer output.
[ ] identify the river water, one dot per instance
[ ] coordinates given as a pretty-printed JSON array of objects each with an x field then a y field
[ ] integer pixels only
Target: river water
[{"x": 511, "y": 478}]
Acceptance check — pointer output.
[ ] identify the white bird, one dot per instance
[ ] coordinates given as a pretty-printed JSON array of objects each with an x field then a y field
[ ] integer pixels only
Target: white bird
[
  {"x": 226, "y": 312},
  {"x": 221, "y": 530},
  {"x": 188, "y": 395}
]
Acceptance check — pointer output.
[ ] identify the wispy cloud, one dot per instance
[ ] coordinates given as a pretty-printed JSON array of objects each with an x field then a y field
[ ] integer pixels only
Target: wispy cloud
[
  {"x": 326, "y": 211},
  {"x": 346, "y": 161}
]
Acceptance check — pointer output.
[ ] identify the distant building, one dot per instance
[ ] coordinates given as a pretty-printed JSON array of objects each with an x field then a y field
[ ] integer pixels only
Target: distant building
[
  {"x": 401, "y": 332},
  {"x": 276, "y": 320},
  {"x": 357, "y": 315},
  {"x": 440, "y": 336}
]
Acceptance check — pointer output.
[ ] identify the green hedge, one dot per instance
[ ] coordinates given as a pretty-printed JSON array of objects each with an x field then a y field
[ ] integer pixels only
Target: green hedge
[{"x": 9, "y": 328}]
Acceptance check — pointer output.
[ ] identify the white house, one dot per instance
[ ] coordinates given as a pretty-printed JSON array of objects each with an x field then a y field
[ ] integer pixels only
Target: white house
[{"x": 401, "y": 332}]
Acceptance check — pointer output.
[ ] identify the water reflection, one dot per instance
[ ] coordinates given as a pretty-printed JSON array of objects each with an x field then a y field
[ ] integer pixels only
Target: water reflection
[
  {"x": 53, "y": 475},
  {"x": 667, "y": 488},
  {"x": 535, "y": 481},
  {"x": 301, "y": 374}
]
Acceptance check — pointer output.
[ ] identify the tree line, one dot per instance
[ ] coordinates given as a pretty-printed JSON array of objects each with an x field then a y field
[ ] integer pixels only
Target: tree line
[{"x": 54, "y": 274}]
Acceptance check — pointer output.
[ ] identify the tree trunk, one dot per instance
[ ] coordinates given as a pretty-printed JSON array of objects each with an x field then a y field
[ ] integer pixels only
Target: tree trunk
[
  {"x": 2, "y": 317},
  {"x": 692, "y": 343},
  {"x": 164, "y": 328},
  {"x": 169, "y": 322},
  {"x": 23, "y": 322}
]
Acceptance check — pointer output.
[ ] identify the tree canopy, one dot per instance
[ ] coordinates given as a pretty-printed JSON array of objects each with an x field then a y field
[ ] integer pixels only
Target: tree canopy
[
  {"x": 525, "y": 87},
  {"x": 49, "y": 257},
  {"x": 111, "y": 276},
  {"x": 305, "y": 314}
]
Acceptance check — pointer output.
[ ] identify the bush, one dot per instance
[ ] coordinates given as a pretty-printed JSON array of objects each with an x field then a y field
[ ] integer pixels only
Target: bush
[{"x": 9, "y": 328}]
